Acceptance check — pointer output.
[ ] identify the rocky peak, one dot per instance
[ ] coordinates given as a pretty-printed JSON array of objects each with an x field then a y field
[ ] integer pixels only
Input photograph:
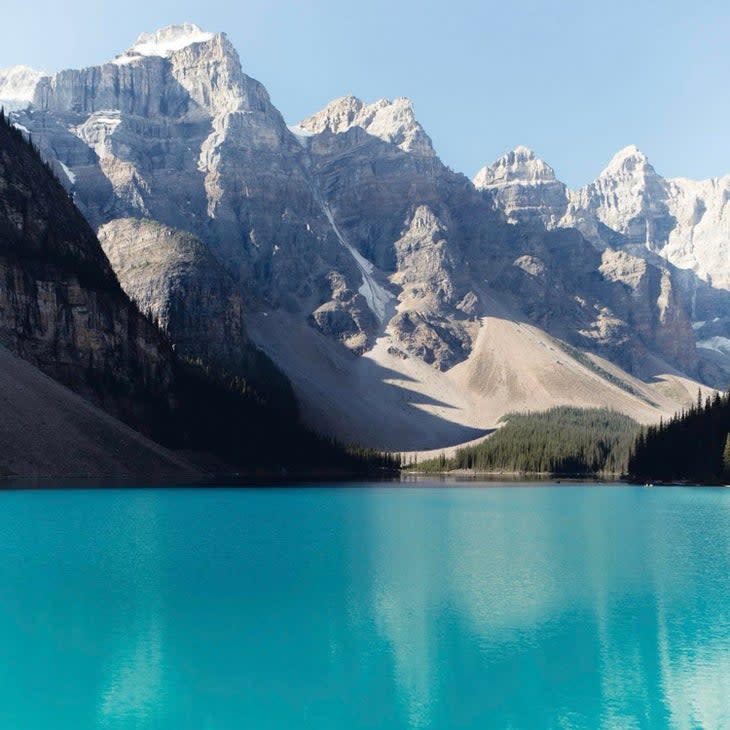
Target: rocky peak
[
  {"x": 17, "y": 86},
  {"x": 337, "y": 117},
  {"x": 393, "y": 121},
  {"x": 628, "y": 198},
  {"x": 520, "y": 165},
  {"x": 628, "y": 161},
  {"x": 525, "y": 188}
]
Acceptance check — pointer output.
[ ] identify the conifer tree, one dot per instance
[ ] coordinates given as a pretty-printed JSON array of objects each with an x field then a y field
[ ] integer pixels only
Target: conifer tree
[{"x": 726, "y": 457}]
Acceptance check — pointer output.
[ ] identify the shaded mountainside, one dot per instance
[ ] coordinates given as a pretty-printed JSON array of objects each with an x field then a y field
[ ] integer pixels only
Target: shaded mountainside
[
  {"x": 49, "y": 431},
  {"x": 347, "y": 251},
  {"x": 63, "y": 311},
  {"x": 61, "y": 306}
]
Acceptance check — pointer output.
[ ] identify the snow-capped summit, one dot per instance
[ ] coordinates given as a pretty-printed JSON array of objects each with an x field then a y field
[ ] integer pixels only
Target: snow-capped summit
[
  {"x": 18, "y": 85},
  {"x": 519, "y": 165},
  {"x": 392, "y": 121},
  {"x": 165, "y": 42}
]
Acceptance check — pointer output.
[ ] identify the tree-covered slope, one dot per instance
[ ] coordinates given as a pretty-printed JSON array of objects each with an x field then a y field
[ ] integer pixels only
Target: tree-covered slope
[
  {"x": 563, "y": 440},
  {"x": 689, "y": 447}
]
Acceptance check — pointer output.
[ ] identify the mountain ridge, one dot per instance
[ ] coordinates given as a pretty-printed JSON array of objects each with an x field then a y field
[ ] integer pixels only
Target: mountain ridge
[{"x": 349, "y": 227}]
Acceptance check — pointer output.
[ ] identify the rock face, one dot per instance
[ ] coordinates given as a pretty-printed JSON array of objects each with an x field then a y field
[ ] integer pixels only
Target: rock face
[
  {"x": 61, "y": 306},
  {"x": 213, "y": 211},
  {"x": 175, "y": 280},
  {"x": 628, "y": 198}
]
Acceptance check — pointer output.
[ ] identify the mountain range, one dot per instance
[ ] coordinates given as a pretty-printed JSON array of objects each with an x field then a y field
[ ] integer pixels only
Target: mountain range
[{"x": 409, "y": 306}]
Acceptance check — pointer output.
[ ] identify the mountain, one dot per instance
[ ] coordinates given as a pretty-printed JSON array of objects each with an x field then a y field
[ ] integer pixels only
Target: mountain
[
  {"x": 410, "y": 307},
  {"x": 679, "y": 226},
  {"x": 686, "y": 222}
]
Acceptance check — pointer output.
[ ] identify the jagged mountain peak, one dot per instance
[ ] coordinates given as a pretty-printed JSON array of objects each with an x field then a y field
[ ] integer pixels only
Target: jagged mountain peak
[
  {"x": 519, "y": 165},
  {"x": 392, "y": 120},
  {"x": 165, "y": 41},
  {"x": 338, "y": 116}
]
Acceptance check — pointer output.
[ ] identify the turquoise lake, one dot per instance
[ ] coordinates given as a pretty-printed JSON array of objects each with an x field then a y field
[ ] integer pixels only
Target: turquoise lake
[{"x": 356, "y": 607}]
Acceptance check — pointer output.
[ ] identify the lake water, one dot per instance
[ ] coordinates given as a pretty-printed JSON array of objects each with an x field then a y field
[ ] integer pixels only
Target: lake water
[{"x": 386, "y": 607}]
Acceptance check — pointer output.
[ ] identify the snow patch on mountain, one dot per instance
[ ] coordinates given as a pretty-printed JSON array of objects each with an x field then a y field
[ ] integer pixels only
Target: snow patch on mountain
[
  {"x": 69, "y": 174},
  {"x": 300, "y": 133},
  {"x": 17, "y": 86},
  {"x": 378, "y": 298},
  {"x": 164, "y": 42},
  {"x": 718, "y": 344}
]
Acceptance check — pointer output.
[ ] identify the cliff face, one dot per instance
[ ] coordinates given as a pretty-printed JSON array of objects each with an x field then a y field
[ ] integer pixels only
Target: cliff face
[{"x": 61, "y": 307}]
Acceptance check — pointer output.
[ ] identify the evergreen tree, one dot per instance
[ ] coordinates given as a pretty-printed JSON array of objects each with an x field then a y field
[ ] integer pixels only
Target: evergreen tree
[
  {"x": 726, "y": 457},
  {"x": 690, "y": 447}
]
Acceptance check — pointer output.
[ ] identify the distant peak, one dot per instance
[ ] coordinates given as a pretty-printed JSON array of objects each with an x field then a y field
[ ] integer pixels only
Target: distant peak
[
  {"x": 347, "y": 100},
  {"x": 629, "y": 159},
  {"x": 630, "y": 151},
  {"x": 337, "y": 116},
  {"x": 518, "y": 165},
  {"x": 392, "y": 120},
  {"x": 165, "y": 42}
]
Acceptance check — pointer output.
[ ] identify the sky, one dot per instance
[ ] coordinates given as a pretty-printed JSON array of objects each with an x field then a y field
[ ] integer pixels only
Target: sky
[{"x": 574, "y": 81}]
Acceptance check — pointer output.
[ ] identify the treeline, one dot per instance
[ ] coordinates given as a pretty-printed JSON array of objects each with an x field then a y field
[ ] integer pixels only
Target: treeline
[
  {"x": 689, "y": 447},
  {"x": 222, "y": 415},
  {"x": 560, "y": 441}
]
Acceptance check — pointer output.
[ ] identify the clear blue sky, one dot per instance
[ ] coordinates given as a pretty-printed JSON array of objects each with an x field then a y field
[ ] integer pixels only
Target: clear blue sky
[{"x": 576, "y": 81}]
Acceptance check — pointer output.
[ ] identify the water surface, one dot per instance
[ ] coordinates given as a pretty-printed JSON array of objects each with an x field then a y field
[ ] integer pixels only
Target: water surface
[{"x": 398, "y": 607}]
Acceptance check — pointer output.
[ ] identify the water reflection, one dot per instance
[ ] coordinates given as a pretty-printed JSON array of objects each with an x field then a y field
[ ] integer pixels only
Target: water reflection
[
  {"x": 406, "y": 594},
  {"x": 548, "y": 608},
  {"x": 132, "y": 692}
]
